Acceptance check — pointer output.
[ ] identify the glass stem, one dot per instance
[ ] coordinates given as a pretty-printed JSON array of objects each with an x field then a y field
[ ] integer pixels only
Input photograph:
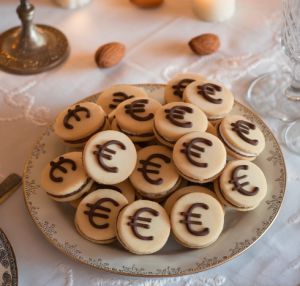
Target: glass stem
[{"x": 293, "y": 91}]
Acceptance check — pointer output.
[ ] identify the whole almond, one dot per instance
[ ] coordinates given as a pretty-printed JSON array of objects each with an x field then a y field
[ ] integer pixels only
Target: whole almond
[
  {"x": 205, "y": 44},
  {"x": 109, "y": 54},
  {"x": 147, "y": 3}
]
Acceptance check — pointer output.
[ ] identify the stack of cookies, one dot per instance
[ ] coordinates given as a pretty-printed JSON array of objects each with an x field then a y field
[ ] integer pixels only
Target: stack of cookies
[{"x": 137, "y": 169}]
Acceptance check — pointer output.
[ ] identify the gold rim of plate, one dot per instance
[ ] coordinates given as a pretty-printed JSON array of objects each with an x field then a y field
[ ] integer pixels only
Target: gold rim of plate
[{"x": 276, "y": 203}]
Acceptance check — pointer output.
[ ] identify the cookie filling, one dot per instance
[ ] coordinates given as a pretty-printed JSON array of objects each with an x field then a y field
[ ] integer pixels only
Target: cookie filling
[
  {"x": 147, "y": 134},
  {"x": 233, "y": 149},
  {"x": 73, "y": 193},
  {"x": 84, "y": 139}
]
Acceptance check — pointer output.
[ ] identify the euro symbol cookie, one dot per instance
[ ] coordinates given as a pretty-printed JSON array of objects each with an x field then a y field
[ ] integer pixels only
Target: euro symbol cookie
[
  {"x": 74, "y": 113},
  {"x": 197, "y": 220},
  {"x": 59, "y": 166},
  {"x": 155, "y": 175},
  {"x": 180, "y": 86},
  {"x": 176, "y": 119},
  {"x": 104, "y": 152},
  {"x": 242, "y": 128},
  {"x": 64, "y": 178},
  {"x": 238, "y": 186},
  {"x": 176, "y": 115},
  {"x": 242, "y": 138},
  {"x": 143, "y": 227},
  {"x": 109, "y": 157},
  {"x": 91, "y": 213},
  {"x": 96, "y": 215},
  {"x": 207, "y": 90},
  {"x": 146, "y": 163},
  {"x": 189, "y": 222},
  {"x": 135, "y": 224},
  {"x": 192, "y": 149},
  {"x": 199, "y": 157},
  {"x": 138, "y": 106}
]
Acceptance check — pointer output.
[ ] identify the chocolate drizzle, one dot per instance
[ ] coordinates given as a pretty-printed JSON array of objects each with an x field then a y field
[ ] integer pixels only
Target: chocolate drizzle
[
  {"x": 91, "y": 213},
  {"x": 188, "y": 222},
  {"x": 242, "y": 127},
  {"x": 145, "y": 171},
  {"x": 178, "y": 112},
  {"x": 178, "y": 88},
  {"x": 58, "y": 166},
  {"x": 73, "y": 113},
  {"x": 134, "y": 224},
  {"x": 138, "y": 106},
  {"x": 189, "y": 153},
  {"x": 237, "y": 186},
  {"x": 119, "y": 97},
  {"x": 102, "y": 151},
  {"x": 208, "y": 89}
]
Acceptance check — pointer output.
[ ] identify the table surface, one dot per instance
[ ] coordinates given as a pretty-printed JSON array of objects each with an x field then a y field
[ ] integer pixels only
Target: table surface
[{"x": 157, "y": 48}]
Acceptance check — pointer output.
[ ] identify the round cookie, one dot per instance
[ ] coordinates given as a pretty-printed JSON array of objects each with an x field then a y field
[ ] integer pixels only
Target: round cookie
[
  {"x": 242, "y": 138},
  {"x": 111, "y": 97},
  {"x": 172, "y": 199},
  {"x": 155, "y": 175},
  {"x": 64, "y": 179},
  {"x": 175, "y": 87},
  {"x": 176, "y": 119},
  {"x": 96, "y": 215},
  {"x": 109, "y": 157},
  {"x": 143, "y": 227},
  {"x": 199, "y": 156},
  {"x": 197, "y": 220},
  {"x": 210, "y": 96},
  {"x": 134, "y": 117},
  {"x": 125, "y": 188},
  {"x": 243, "y": 185},
  {"x": 79, "y": 122}
]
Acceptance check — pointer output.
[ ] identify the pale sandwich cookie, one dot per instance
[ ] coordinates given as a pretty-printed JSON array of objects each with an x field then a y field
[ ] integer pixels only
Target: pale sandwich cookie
[
  {"x": 64, "y": 178},
  {"x": 176, "y": 119},
  {"x": 109, "y": 157},
  {"x": 211, "y": 97},
  {"x": 197, "y": 220},
  {"x": 96, "y": 215},
  {"x": 242, "y": 138},
  {"x": 155, "y": 175},
  {"x": 78, "y": 123},
  {"x": 143, "y": 227}
]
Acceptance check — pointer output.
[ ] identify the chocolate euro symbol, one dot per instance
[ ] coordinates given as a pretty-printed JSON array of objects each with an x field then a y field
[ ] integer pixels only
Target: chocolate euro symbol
[
  {"x": 148, "y": 163},
  {"x": 176, "y": 115},
  {"x": 180, "y": 86},
  {"x": 105, "y": 153},
  {"x": 91, "y": 213},
  {"x": 192, "y": 150},
  {"x": 209, "y": 89},
  {"x": 138, "y": 106},
  {"x": 242, "y": 128},
  {"x": 59, "y": 166},
  {"x": 135, "y": 224},
  {"x": 73, "y": 113},
  {"x": 189, "y": 222},
  {"x": 119, "y": 97},
  {"x": 238, "y": 186}
]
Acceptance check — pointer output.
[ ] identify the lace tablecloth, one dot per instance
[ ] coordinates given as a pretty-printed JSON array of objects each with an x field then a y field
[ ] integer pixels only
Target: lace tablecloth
[{"x": 157, "y": 48}]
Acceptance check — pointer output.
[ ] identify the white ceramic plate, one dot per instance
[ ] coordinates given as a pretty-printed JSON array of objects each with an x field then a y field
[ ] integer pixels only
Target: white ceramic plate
[{"x": 241, "y": 229}]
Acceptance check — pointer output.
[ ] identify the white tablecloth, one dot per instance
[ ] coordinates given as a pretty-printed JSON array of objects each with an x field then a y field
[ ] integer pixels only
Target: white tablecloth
[{"x": 157, "y": 48}]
